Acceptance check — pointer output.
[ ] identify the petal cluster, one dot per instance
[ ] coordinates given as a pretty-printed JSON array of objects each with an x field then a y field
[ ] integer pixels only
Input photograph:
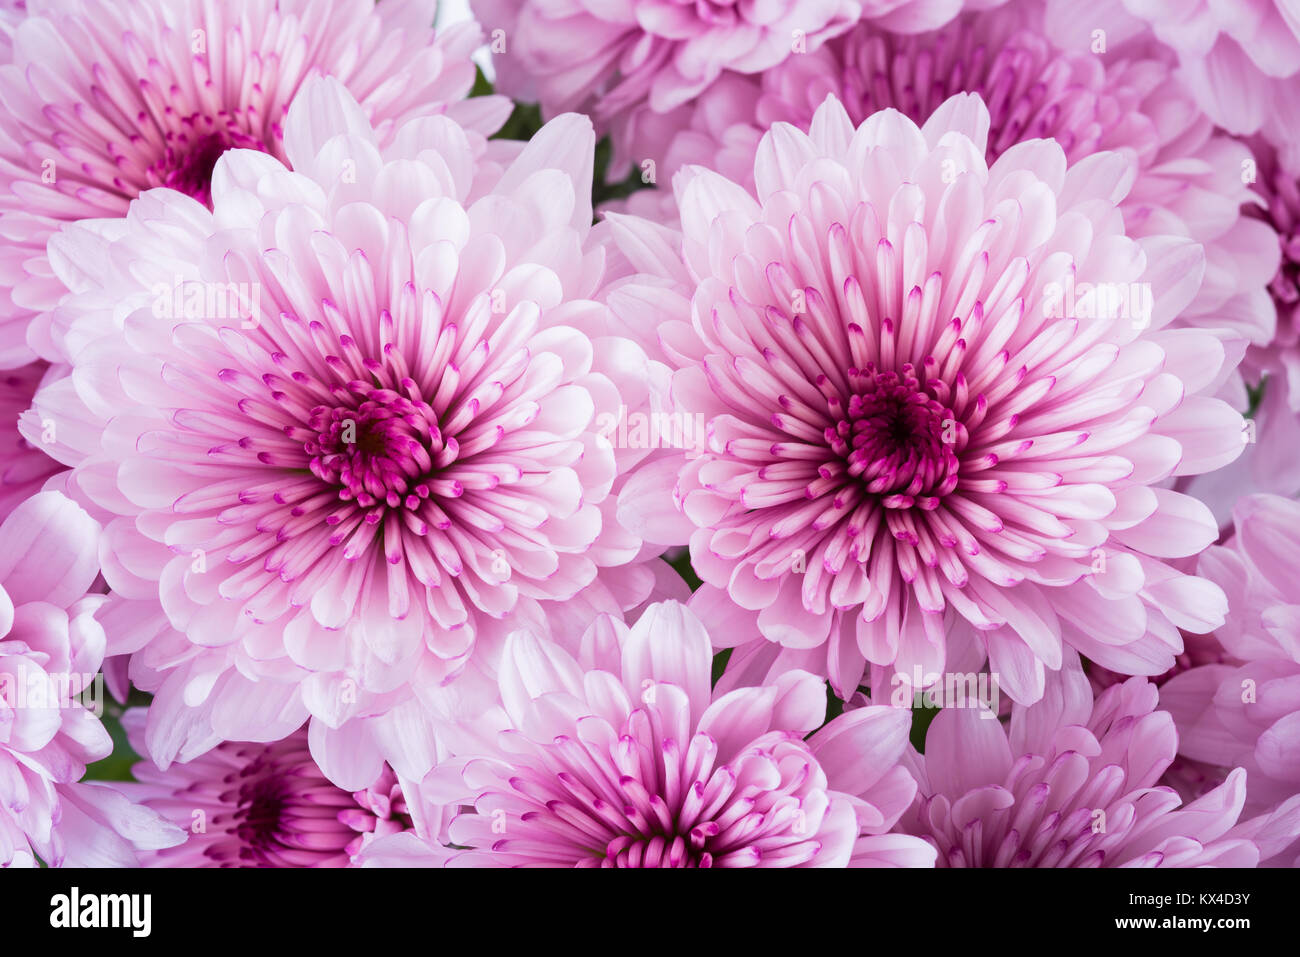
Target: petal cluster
[
  {"x": 51, "y": 648},
  {"x": 347, "y": 418},
  {"x": 619, "y": 755},
  {"x": 1072, "y": 783},
  {"x": 941, "y": 399},
  {"x": 1241, "y": 710},
  {"x": 264, "y": 805},
  {"x": 105, "y": 99}
]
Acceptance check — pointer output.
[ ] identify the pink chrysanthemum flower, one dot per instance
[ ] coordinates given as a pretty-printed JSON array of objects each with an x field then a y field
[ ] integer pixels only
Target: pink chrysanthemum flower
[
  {"x": 24, "y": 466},
  {"x": 1190, "y": 180},
  {"x": 1241, "y": 58},
  {"x": 620, "y": 756},
  {"x": 1278, "y": 183},
  {"x": 263, "y": 805},
  {"x": 389, "y": 446},
  {"x": 1072, "y": 783},
  {"x": 1244, "y": 711},
  {"x": 1269, "y": 464},
  {"x": 612, "y": 57},
  {"x": 926, "y": 427},
  {"x": 105, "y": 99},
  {"x": 51, "y": 648},
  {"x": 631, "y": 66}
]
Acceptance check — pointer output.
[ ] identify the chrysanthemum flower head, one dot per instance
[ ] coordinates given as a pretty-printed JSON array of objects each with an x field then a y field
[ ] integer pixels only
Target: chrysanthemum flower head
[
  {"x": 1191, "y": 180},
  {"x": 1277, "y": 182},
  {"x": 1242, "y": 711},
  {"x": 619, "y": 55},
  {"x": 634, "y": 66},
  {"x": 1073, "y": 783},
  {"x": 1268, "y": 465},
  {"x": 105, "y": 99},
  {"x": 620, "y": 755},
  {"x": 941, "y": 396},
  {"x": 1241, "y": 59},
  {"x": 51, "y": 649},
  {"x": 346, "y": 420},
  {"x": 262, "y": 805}
]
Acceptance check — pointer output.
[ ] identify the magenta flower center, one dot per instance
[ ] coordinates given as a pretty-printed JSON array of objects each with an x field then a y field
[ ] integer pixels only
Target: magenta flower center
[
  {"x": 897, "y": 438},
  {"x": 647, "y": 801},
  {"x": 1283, "y": 214},
  {"x": 376, "y": 449},
  {"x": 278, "y": 810},
  {"x": 192, "y": 152}
]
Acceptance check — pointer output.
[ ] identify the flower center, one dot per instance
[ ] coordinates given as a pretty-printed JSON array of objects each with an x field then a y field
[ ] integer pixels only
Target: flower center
[
  {"x": 285, "y": 813},
  {"x": 380, "y": 447},
  {"x": 897, "y": 438},
  {"x": 657, "y": 851},
  {"x": 192, "y": 154},
  {"x": 1283, "y": 214},
  {"x": 653, "y": 803},
  {"x": 260, "y": 817}
]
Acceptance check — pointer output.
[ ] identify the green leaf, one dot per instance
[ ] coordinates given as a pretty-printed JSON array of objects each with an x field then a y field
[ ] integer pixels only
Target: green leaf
[
  {"x": 523, "y": 123},
  {"x": 603, "y": 191},
  {"x": 117, "y": 766},
  {"x": 720, "y": 663},
  {"x": 921, "y": 718},
  {"x": 482, "y": 85},
  {"x": 682, "y": 564}
]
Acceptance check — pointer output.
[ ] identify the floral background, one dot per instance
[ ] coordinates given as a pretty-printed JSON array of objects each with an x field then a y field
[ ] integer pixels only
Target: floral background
[{"x": 593, "y": 433}]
